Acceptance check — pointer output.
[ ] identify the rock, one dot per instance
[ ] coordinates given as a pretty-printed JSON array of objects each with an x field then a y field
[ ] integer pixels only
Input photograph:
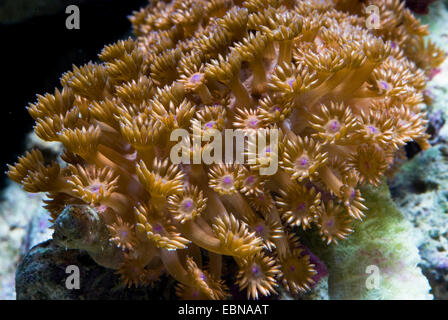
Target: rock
[
  {"x": 80, "y": 227},
  {"x": 437, "y": 88},
  {"x": 420, "y": 187},
  {"x": 42, "y": 275},
  {"x": 22, "y": 223},
  {"x": 420, "y": 190},
  {"x": 436, "y": 121}
]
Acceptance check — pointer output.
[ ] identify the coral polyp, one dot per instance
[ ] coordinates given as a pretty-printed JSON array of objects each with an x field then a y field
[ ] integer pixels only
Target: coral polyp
[{"x": 345, "y": 98}]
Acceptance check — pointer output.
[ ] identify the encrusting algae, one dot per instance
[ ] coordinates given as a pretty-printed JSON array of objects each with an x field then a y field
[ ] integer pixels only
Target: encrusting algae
[{"x": 345, "y": 98}]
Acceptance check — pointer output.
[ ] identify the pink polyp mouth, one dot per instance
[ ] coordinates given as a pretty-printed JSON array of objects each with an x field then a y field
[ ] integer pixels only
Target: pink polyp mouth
[
  {"x": 253, "y": 123},
  {"x": 334, "y": 126},
  {"x": 188, "y": 204},
  {"x": 255, "y": 270},
  {"x": 372, "y": 129},
  {"x": 303, "y": 162},
  {"x": 209, "y": 125},
  {"x": 95, "y": 188},
  {"x": 196, "y": 78},
  {"x": 227, "y": 180},
  {"x": 384, "y": 85},
  {"x": 291, "y": 83},
  {"x": 158, "y": 228}
]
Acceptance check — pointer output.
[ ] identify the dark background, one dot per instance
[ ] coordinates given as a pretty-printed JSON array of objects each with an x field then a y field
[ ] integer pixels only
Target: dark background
[{"x": 34, "y": 54}]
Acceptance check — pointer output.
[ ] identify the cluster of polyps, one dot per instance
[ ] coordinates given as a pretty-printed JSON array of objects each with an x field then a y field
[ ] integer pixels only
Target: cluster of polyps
[{"x": 344, "y": 99}]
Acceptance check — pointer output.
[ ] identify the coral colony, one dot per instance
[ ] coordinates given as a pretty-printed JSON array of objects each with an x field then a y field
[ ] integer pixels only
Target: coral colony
[{"x": 344, "y": 99}]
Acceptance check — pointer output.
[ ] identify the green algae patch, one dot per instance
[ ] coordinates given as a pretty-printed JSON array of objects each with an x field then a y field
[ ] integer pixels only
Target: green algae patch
[{"x": 380, "y": 259}]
